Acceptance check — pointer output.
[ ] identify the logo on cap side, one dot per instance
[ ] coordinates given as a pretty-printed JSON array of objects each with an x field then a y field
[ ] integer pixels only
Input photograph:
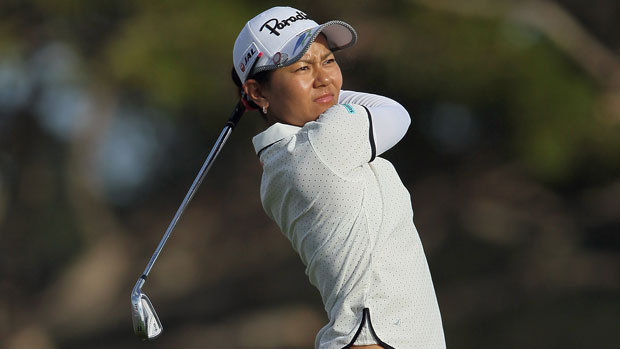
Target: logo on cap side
[
  {"x": 274, "y": 23},
  {"x": 280, "y": 57},
  {"x": 249, "y": 56},
  {"x": 302, "y": 40}
]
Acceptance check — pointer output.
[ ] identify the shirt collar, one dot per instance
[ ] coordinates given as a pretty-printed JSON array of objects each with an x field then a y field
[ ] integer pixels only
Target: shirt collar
[{"x": 273, "y": 134}]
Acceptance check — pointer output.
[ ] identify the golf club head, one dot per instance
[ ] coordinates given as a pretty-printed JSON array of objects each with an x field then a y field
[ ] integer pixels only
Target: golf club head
[{"x": 146, "y": 323}]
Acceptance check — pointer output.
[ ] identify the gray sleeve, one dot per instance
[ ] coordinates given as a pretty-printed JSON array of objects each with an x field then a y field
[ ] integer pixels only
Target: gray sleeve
[{"x": 390, "y": 120}]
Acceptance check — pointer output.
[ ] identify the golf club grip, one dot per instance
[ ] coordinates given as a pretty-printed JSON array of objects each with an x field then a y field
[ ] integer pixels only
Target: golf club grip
[
  {"x": 230, "y": 124},
  {"x": 236, "y": 114}
]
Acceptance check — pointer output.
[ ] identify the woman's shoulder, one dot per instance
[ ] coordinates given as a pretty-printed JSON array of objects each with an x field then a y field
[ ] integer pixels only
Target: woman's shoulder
[{"x": 343, "y": 112}]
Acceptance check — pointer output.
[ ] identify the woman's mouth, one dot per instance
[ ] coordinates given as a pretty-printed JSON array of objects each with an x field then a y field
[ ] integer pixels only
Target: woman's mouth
[{"x": 326, "y": 98}]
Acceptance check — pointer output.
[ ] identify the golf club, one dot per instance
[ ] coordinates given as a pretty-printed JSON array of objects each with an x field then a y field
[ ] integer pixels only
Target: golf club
[{"x": 146, "y": 323}]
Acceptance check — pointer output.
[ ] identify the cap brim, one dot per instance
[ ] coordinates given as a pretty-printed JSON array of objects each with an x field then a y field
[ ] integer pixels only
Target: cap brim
[{"x": 340, "y": 35}]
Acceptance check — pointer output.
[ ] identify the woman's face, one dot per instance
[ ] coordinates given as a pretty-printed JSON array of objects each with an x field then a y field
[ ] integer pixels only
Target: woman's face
[{"x": 302, "y": 91}]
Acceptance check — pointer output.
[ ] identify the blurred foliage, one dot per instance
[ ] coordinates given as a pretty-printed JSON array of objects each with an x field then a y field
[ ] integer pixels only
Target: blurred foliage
[
  {"x": 173, "y": 51},
  {"x": 107, "y": 109},
  {"x": 545, "y": 105}
]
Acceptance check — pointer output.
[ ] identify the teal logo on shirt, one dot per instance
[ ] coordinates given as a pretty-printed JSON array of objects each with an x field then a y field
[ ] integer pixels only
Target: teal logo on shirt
[{"x": 349, "y": 108}]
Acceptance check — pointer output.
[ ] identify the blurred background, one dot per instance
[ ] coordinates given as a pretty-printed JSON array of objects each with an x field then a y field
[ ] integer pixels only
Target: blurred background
[{"x": 108, "y": 109}]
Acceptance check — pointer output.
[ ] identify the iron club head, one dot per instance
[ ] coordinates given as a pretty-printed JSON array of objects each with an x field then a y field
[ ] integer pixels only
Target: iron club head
[{"x": 146, "y": 323}]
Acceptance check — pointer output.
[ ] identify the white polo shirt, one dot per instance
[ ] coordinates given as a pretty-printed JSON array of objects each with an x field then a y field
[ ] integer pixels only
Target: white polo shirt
[{"x": 349, "y": 217}]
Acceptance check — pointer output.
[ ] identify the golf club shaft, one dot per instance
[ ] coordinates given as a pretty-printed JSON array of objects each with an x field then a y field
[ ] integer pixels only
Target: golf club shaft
[{"x": 230, "y": 125}]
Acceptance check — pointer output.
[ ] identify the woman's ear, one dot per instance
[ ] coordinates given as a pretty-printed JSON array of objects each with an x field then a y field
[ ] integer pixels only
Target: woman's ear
[{"x": 254, "y": 92}]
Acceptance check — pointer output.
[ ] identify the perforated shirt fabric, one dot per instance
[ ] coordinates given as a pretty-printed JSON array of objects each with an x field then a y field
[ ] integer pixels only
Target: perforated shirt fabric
[{"x": 349, "y": 217}]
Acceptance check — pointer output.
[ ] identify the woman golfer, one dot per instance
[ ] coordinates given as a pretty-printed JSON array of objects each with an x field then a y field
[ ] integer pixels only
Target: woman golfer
[{"x": 344, "y": 209}]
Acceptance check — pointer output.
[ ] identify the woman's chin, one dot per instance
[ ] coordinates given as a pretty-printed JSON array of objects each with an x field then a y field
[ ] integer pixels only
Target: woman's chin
[{"x": 323, "y": 107}]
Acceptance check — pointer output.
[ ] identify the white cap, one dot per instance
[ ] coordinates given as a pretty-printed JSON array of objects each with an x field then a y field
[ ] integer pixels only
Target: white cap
[{"x": 280, "y": 36}]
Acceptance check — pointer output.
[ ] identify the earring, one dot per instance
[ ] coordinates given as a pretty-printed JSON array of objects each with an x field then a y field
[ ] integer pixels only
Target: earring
[{"x": 264, "y": 109}]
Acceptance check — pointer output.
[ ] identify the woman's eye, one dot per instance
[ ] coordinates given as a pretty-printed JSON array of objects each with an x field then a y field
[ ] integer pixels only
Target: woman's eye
[
  {"x": 302, "y": 68},
  {"x": 331, "y": 60}
]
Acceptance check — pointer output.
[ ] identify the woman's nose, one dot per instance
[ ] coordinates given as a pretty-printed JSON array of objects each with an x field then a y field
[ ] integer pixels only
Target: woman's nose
[{"x": 322, "y": 77}]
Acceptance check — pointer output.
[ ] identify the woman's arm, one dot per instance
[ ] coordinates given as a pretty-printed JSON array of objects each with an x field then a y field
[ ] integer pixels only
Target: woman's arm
[{"x": 390, "y": 120}]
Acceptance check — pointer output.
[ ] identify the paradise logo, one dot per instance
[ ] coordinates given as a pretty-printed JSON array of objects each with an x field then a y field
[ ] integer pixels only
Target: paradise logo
[{"x": 274, "y": 23}]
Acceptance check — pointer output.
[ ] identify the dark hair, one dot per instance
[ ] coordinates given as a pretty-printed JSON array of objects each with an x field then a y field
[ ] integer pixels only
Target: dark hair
[{"x": 262, "y": 78}]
